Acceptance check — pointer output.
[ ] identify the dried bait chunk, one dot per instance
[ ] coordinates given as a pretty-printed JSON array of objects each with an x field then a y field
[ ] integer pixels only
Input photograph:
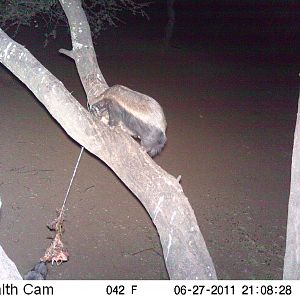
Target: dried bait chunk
[{"x": 56, "y": 252}]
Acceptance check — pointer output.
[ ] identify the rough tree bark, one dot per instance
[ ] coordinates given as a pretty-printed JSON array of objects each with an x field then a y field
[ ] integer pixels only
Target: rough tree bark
[
  {"x": 185, "y": 252},
  {"x": 291, "y": 269},
  {"x": 83, "y": 51},
  {"x": 8, "y": 270}
]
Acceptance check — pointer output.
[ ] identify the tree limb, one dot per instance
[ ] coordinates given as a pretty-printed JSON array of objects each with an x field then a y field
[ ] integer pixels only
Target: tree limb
[
  {"x": 8, "y": 270},
  {"x": 291, "y": 269},
  {"x": 83, "y": 51}
]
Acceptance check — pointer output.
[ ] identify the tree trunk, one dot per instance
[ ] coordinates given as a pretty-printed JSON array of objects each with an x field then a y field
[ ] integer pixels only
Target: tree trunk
[
  {"x": 291, "y": 268},
  {"x": 8, "y": 270},
  {"x": 184, "y": 248},
  {"x": 171, "y": 22}
]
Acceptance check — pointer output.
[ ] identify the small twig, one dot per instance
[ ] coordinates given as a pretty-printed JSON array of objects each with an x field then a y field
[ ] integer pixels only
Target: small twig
[
  {"x": 90, "y": 187},
  {"x": 148, "y": 249}
]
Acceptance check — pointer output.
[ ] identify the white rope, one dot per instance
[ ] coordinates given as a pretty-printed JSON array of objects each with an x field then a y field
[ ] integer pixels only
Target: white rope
[
  {"x": 74, "y": 173},
  {"x": 71, "y": 181}
]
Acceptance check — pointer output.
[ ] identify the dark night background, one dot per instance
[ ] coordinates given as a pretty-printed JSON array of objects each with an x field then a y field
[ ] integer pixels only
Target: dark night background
[
  {"x": 228, "y": 83},
  {"x": 261, "y": 31}
]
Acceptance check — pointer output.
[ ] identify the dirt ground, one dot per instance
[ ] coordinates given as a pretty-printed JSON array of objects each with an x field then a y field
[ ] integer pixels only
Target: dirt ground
[{"x": 231, "y": 115}]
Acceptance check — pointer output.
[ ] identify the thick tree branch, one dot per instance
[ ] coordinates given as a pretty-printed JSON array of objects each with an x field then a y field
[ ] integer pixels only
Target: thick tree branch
[
  {"x": 8, "y": 270},
  {"x": 291, "y": 270},
  {"x": 83, "y": 51}
]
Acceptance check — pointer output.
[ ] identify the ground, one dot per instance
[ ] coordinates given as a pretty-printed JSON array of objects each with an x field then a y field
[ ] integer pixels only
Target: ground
[{"x": 231, "y": 119}]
